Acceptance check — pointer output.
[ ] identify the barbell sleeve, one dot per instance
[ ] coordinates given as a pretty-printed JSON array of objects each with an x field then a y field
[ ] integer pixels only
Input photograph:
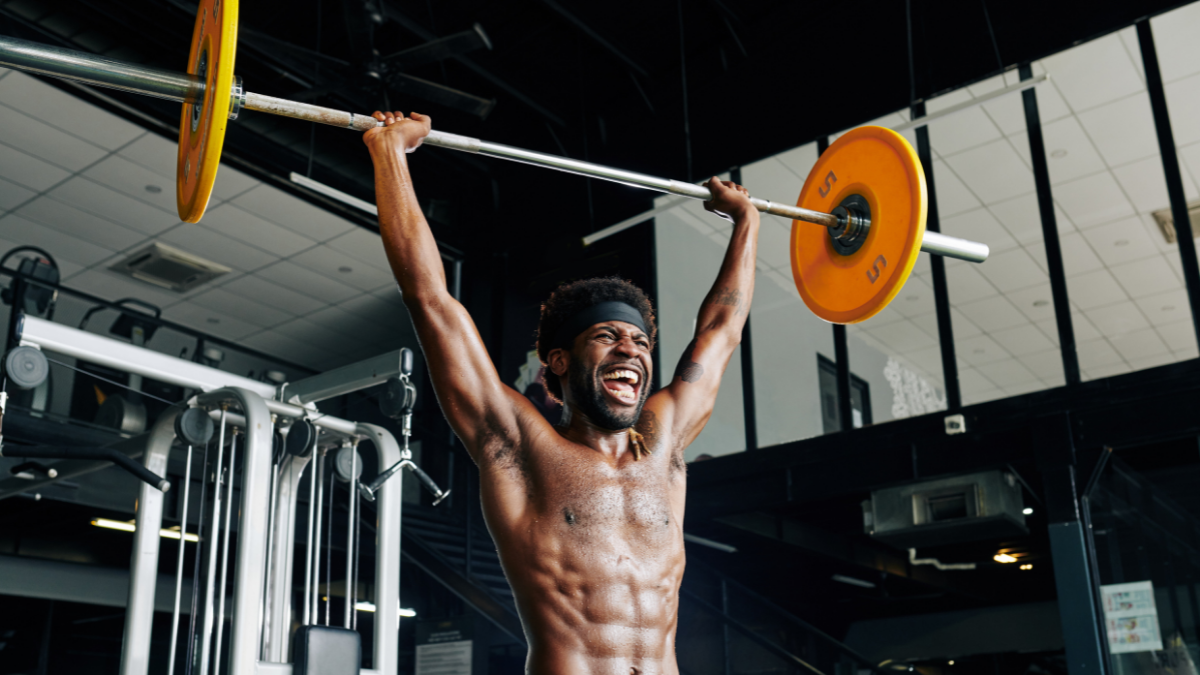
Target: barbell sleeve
[{"x": 91, "y": 69}]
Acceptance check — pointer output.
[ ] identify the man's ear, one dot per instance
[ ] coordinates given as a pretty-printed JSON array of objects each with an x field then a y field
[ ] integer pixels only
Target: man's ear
[{"x": 557, "y": 361}]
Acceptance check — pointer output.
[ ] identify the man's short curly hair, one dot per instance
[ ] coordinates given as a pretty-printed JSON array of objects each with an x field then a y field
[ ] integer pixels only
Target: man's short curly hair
[{"x": 568, "y": 299}]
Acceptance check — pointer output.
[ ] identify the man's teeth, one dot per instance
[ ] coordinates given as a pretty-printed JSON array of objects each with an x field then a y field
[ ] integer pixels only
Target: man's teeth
[
  {"x": 622, "y": 375},
  {"x": 628, "y": 395}
]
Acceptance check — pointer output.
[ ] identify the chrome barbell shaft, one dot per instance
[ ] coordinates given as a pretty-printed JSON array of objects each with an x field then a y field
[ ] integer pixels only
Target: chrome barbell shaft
[{"x": 91, "y": 69}]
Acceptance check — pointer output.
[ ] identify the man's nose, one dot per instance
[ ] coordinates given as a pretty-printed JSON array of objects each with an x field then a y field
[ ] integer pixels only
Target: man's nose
[{"x": 627, "y": 345}]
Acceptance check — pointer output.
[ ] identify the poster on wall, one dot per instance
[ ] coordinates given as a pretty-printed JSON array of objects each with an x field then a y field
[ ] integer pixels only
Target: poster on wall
[
  {"x": 444, "y": 647},
  {"x": 1131, "y": 617}
]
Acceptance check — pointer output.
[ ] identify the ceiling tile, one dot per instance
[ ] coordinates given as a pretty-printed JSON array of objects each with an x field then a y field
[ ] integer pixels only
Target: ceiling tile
[
  {"x": 972, "y": 397},
  {"x": 1152, "y": 361},
  {"x": 774, "y": 244},
  {"x": 1022, "y": 340},
  {"x": 1007, "y": 373},
  {"x": 1122, "y": 130},
  {"x": 928, "y": 360},
  {"x": 961, "y": 131},
  {"x": 902, "y": 336},
  {"x": 85, "y": 226},
  {"x": 350, "y": 324},
  {"x": 265, "y": 235},
  {"x": 947, "y": 100},
  {"x": 240, "y": 307},
  {"x": 1139, "y": 344},
  {"x": 155, "y": 153},
  {"x": 231, "y": 183},
  {"x": 1094, "y": 289},
  {"x": 1189, "y": 162},
  {"x": 888, "y": 314},
  {"x": 953, "y": 197},
  {"x": 928, "y": 323},
  {"x": 197, "y": 239},
  {"x": 1175, "y": 41},
  {"x": 12, "y": 195},
  {"x": 367, "y": 246},
  {"x": 49, "y": 143},
  {"x": 1165, "y": 308},
  {"x": 963, "y": 327},
  {"x": 112, "y": 286},
  {"x": 58, "y": 108},
  {"x": 1121, "y": 241},
  {"x": 1183, "y": 98},
  {"x": 994, "y": 172},
  {"x": 1146, "y": 277},
  {"x": 1046, "y": 364},
  {"x": 979, "y": 225},
  {"x": 319, "y": 336},
  {"x": 1093, "y": 200},
  {"x": 915, "y": 299},
  {"x": 288, "y": 348},
  {"x": 382, "y": 307},
  {"x": 1012, "y": 270},
  {"x": 26, "y": 170},
  {"x": 92, "y": 197},
  {"x": 59, "y": 245},
  {"x": 1180, "y": 336},
  {"x": 273, "y": 295},
  {"x": 1009, "y": 111},
  {"x": 966, "y": 283},
  {"x": 1065, "y": 136},
  {"x": 295, "y": 214},
  {"x": 303, "y": 280},
  {"x": 771, "y": 179},
  {"x": 979, "y": 350},
  {"x": 1022, "y": 218},
  {"x": 209, "y": 321},
  {"x": 1095, "y": 353},
  {"x": 1118, "y": 319},
  {"x": 1093, "y": 73},
  {"x": 1035, "y": 302},
  {"x": 132, "y": 180},
  {"x": 1024, "y": 388},
  {"x": 326, "y": 261},
  {"x": 1186, "y": 354},
  {"x": 1080, "y": 325},
  {"x": 992, "y": 314},
  {"x": 1077, "y": 253},
  {"x": 1106, "y": 371},
  {"x": 799, "y": 160}
]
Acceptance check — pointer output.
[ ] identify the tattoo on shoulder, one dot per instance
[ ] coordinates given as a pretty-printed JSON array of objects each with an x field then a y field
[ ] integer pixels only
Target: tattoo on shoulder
[
  {"x": 727, "y": 297},
  {"x": 688, "y": 370}
]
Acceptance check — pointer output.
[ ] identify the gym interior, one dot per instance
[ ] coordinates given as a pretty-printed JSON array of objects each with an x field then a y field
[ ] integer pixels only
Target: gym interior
[{"x": 220, "y": 432}]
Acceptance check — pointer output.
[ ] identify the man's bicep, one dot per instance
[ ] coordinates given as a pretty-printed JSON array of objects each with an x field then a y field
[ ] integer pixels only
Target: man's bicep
[{"x": 697, "y": 378}]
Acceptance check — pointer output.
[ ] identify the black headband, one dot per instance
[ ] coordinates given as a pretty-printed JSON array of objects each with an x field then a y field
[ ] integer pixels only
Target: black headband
[{"x": 605, "y": 311}]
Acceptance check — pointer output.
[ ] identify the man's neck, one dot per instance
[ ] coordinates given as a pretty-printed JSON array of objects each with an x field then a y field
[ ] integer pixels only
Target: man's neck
[{"x": 579, "y": 428}]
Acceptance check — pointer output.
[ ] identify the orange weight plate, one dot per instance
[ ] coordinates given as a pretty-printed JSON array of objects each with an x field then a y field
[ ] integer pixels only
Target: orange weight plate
[
  {"x": 202, "y": 126},
  {"x": 879, "y": 166}
]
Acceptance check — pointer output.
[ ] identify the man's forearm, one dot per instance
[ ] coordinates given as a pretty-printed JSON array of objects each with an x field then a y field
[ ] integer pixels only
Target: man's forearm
[
  {"x": 728, "y": 303},
  {"x": 410, "y": 246}
]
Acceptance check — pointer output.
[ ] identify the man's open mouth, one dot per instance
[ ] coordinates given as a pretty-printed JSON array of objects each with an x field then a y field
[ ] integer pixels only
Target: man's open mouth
[{"x": 622, "y": 383}]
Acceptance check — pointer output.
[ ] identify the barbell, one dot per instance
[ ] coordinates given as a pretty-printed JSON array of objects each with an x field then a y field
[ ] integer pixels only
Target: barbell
[{"x": 867, "y": 191}]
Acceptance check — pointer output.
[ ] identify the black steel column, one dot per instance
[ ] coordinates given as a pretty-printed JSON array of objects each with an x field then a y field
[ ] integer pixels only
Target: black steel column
[
  {"x": 937, "y": 265},
  {"x": 1054, "y": 261},
  {"x": 749, "y": 414},
  {"x": 1166, "y": 147},
  {"x": 841, "y": 349}
]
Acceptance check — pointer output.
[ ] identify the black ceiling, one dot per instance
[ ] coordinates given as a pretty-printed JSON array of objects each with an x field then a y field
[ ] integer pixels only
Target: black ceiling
[{"x": 593, "y": 81}]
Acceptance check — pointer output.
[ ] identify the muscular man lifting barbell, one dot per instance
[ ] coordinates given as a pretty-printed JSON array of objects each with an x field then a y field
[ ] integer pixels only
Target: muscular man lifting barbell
[{"x": 587, "y": 515}]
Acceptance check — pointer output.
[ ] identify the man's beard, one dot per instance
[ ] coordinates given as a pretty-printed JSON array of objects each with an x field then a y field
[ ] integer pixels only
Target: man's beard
[{"x": 591, "y": 402}]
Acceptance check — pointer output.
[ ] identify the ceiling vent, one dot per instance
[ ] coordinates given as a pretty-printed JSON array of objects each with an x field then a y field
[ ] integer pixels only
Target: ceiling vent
[
  {"x": 1166, "y": 221},
  {"x": 168, "y": 267}
]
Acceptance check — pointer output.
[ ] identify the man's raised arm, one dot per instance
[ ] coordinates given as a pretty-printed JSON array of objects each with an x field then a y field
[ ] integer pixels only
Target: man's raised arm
[
  {"x": 467, "y": 385},
  {"x": 690, "y": 397}
]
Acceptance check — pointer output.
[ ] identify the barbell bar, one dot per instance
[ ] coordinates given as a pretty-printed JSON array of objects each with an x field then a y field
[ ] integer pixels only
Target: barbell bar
[{"x": 189, "y": 89}]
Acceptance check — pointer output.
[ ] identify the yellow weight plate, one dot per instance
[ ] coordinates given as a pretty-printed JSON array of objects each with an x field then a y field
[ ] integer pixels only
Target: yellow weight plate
[
  {"x": 202, "y": 126},
  {"x": 879, "y": 166}
]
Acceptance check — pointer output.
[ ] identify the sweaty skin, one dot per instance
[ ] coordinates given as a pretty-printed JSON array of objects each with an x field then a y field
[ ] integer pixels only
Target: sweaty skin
[{"x": 589, "y": 534}]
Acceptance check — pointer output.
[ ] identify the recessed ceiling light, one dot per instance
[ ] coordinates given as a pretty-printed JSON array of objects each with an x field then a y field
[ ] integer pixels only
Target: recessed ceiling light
[
  {"x": 1003, "y": 557},
  {"x": 213, "y": 319},
  {"x": 1168, "y": 308},
  {"x": 1058, "y": 154},
  {"x": 1028, "y": 510},
  {"x": 153, "y": 189},
  {"x": 1121, "y": 242},
  {"x": 345, "y": 270},
  {"x": 1040, "y": 303}
]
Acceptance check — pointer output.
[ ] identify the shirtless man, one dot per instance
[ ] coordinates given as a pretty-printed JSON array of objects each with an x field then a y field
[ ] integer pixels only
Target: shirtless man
[{"x": 587, "y": 515}]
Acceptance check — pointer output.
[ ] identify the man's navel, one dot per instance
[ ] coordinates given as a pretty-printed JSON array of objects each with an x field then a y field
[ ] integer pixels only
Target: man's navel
[{"x": 569, "y": 516}]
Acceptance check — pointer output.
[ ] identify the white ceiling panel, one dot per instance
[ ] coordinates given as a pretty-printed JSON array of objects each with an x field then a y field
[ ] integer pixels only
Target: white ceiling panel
[
  {"x": 961, "y": 131},
  {"x": 241, "y": 307},
  {"x": 1165, "y": 308},
  {"x": 85, "y": 226},
  {"x": 947, "y": 100},
  {"x": 902, "y": 336},
  {"x": 1189, "y": 159},
  {"x": 326, "y": 261},
  {"x": 1022, "y": 340},
  {"x": 1065, "y": 135},
  {"x": 771, "y": 179},
  {"x": 1093, "y": 73},
  {"x": 132, "y": 180},
  {"x": 1117, "y": 319},
  {"x": 386, "y": 307},
  {"x": 1012, "y": 270},
  {"x": 915, "y": 299},
  {"x": 1146, "y": 277},
  {"x": 1153, "y": 361},
  {"x": 1183, "y": 100},
  {"x": 50, "y": 143},
  {"x": 963, "y": 327},
  {"x": 1095, "y": 353},
  {"x": 1122, "y": 241},
  {"x": 303, "y": 280},
  {"x": 113, "y": 286},
  {"x": 1047, "y": 364},
  {"x": 12, "y": 195},
  {"x": 981, "y": 396},
  {"x": 293, "y": 213},
  {"x": 1146, "y": 185},
  {"x": 979, "y": 350},
  {"x": 24, "y": 169},
  {"x": 230, "y": 183},
  {"x": 92, "y": 197},
  {"x": 1175, "y": 41},
  {"x": 1122, "y": 130},
  {"x": 1077, "y": 253},
  {"x": 799, "y": 160},
  {"x": 1025, "y": 388},
  {"x": 1082, "y": 326},
  {"x": 1179, "y": 336},
  {"x": 1139, "y": 344},
  {"x": 1106, "y": 371},
  {"x": 61, "y": 246},
  {"x": 60, "y": 109},
  {"x": 209, "y": 321},
  {"x": 196, "y": 238},
  {"x": 367, "y": 246},
  {"x": 1093, "y": 200},
  {"x": 155, "y": 153},
  {"x": 979, "y": 225},
  {"x": 1007, "y": 373},
  {"x": 1036, "y": 302},
  {"x": 928, "y": 323},
  {"x": 1022, "y": 218},
  {"x": 349, "y": 324},
  {"x": 774, "y": 244},
  {"x": 967, "y": 283},
  {"x": 315, "y": 334},
  {"x": 246, "y": 227},
  {"x": 992, "y": 314},
  {"x": 273, "y": 295},
  {"x": 953, "y": 197},
  {"x": 274, "y": 342},
  {"x": 993, "y": 172},
  {"x": 1129, "y": 40},
  {"x": 1094, "y": 289}
]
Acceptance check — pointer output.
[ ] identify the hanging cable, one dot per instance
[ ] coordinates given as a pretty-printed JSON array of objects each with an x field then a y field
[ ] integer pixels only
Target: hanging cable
[
  {"x": 687, "y": 126},
  {"x": 105, "y": 379},
  {"x": 992, "y": 33}
]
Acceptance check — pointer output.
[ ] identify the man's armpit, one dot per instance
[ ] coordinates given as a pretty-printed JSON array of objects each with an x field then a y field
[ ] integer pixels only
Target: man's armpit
[{"x": 688, "y": 370}]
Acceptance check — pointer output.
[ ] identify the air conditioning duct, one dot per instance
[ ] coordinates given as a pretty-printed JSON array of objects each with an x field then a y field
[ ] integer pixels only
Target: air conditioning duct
[{"x": 972, "y": 507}]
